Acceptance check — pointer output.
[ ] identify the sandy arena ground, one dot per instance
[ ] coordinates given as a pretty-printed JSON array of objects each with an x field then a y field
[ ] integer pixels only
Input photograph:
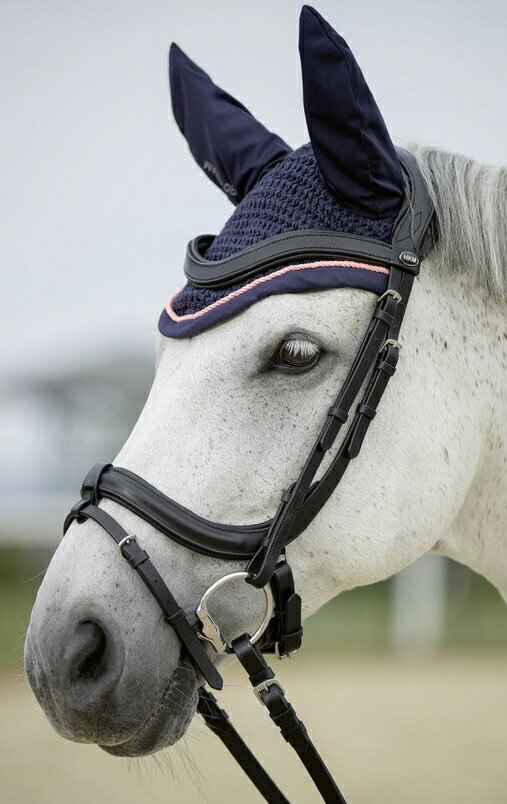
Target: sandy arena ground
[{"x": 393, "y": 732}]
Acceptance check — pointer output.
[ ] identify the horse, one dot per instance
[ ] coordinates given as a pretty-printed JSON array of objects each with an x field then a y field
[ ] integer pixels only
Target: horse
[{"x": 244, "y": 378}]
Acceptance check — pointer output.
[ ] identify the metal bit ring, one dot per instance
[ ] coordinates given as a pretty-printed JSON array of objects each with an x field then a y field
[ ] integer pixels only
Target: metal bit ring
[{"x": 210, "y": 632}]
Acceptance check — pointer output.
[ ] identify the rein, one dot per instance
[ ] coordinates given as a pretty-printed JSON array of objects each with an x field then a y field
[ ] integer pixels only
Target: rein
[{"x": 262, "y": 546}]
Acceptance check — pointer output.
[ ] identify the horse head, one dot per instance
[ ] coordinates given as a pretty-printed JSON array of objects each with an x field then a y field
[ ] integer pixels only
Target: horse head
[{"x": 246, "y": 373}]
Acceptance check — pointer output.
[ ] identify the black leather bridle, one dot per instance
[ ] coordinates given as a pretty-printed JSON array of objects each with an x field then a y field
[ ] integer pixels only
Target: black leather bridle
[{"x": 262, "y": 546}]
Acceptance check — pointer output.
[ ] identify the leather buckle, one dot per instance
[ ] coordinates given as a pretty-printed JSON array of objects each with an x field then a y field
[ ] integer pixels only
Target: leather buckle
[
  {"x": 390, "y": 342},
  {"x": 286, "y": 654},
  {"x": 390, "y": 292},
  {"x": 264, "y": 687},
  {"x": 127, "y": 540}
]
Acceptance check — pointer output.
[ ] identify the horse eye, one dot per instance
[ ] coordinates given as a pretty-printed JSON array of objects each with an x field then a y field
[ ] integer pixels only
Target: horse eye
[{"x": 297, "y": 354}]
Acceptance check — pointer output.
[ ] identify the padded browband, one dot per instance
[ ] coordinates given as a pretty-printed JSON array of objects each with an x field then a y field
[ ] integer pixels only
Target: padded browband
[{"x": 409, "y": 231}]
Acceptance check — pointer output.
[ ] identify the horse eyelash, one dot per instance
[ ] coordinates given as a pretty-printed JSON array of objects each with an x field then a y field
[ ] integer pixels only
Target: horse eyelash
[{"x": 300, "y": 347}]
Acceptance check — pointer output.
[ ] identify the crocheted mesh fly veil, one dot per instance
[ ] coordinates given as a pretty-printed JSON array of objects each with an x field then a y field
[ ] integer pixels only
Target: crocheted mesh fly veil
[{"x": 347, "y": 179}]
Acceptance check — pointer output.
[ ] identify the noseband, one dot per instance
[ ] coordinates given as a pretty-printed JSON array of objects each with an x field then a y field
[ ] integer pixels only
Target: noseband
[{"x": 262, "y": 546}]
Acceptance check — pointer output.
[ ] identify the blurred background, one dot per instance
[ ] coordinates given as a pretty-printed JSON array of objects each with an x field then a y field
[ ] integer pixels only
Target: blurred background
[{"x": 98, "y": 198}]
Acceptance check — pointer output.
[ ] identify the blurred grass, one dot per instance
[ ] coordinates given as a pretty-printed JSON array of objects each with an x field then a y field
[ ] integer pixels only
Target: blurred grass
[
  {"x": 357, "y": 620},
  {"x": 393, "y": 731},
  {"x": 20, "y": 576},
  {"x": 476, "y": 617}
]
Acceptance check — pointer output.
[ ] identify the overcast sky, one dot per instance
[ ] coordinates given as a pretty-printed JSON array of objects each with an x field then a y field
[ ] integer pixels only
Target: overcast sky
[{"x": 98, "y": 193}]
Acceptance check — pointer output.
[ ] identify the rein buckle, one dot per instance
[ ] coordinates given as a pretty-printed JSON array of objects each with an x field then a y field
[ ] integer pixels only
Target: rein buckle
[{"x": 264, "y": 687}]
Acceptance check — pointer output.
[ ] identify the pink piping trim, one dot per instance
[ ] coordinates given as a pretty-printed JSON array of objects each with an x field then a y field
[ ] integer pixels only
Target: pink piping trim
[{"x": 301, "y": 267}]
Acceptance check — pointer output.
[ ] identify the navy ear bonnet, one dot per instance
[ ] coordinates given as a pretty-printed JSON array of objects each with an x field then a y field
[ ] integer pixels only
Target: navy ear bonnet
[
  {"x": 290, "y": 197},
  {"x": 347, "y": 179}
]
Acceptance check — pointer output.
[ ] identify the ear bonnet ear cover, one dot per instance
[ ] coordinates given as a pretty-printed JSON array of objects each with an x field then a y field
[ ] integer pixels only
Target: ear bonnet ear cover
[
  {"x": 289, "y": 198},
  {"x": 350, "y": 140},
  {"x": 230, "y": 145},
  {"x": 347, "y": 180}
]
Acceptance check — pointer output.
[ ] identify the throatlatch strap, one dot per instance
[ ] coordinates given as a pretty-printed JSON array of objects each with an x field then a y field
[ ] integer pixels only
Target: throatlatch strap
[
  {"x": 218, "y": 721},
  {"x": 271, "y": 694}
]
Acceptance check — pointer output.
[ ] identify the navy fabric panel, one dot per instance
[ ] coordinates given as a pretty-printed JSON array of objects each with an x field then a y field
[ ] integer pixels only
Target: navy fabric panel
[
  {"x": 297, "y": 282},
  {"x": 228, "y": 143},
  {"x": 350, "y": 140},
  {"x": 292, "y": 196}
]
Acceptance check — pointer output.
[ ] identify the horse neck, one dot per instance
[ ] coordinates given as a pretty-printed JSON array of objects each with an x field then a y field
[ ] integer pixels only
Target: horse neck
[{"x": 476, "y": 537}]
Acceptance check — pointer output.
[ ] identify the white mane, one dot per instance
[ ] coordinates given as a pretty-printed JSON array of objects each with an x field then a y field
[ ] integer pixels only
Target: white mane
[{"x": 471, "y": 203}]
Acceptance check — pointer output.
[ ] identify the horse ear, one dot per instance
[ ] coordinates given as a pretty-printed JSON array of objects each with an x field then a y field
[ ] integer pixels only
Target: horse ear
[
  {"x": 350, "y": 141},
  {"x": 230, "y": 145}
]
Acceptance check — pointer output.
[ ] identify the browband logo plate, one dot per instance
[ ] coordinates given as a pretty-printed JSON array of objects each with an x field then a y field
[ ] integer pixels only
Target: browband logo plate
[{"x": 409, "y": 258}]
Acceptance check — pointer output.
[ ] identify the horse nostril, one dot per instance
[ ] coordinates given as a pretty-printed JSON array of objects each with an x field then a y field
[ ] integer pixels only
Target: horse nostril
[
  {"x": 90, "y": 660},
  {"x": 90, "y": 664}
]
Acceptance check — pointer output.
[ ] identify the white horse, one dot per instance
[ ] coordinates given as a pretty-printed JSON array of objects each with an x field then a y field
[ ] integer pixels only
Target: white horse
[{"x": 225, "y": 436}]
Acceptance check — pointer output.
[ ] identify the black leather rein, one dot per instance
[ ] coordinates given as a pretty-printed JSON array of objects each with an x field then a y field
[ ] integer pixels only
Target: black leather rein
[{"x": 262, "y": 546}]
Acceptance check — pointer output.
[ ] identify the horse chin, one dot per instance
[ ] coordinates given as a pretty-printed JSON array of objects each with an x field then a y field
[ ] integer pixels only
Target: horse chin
[{"x": 168, "y": 721}]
